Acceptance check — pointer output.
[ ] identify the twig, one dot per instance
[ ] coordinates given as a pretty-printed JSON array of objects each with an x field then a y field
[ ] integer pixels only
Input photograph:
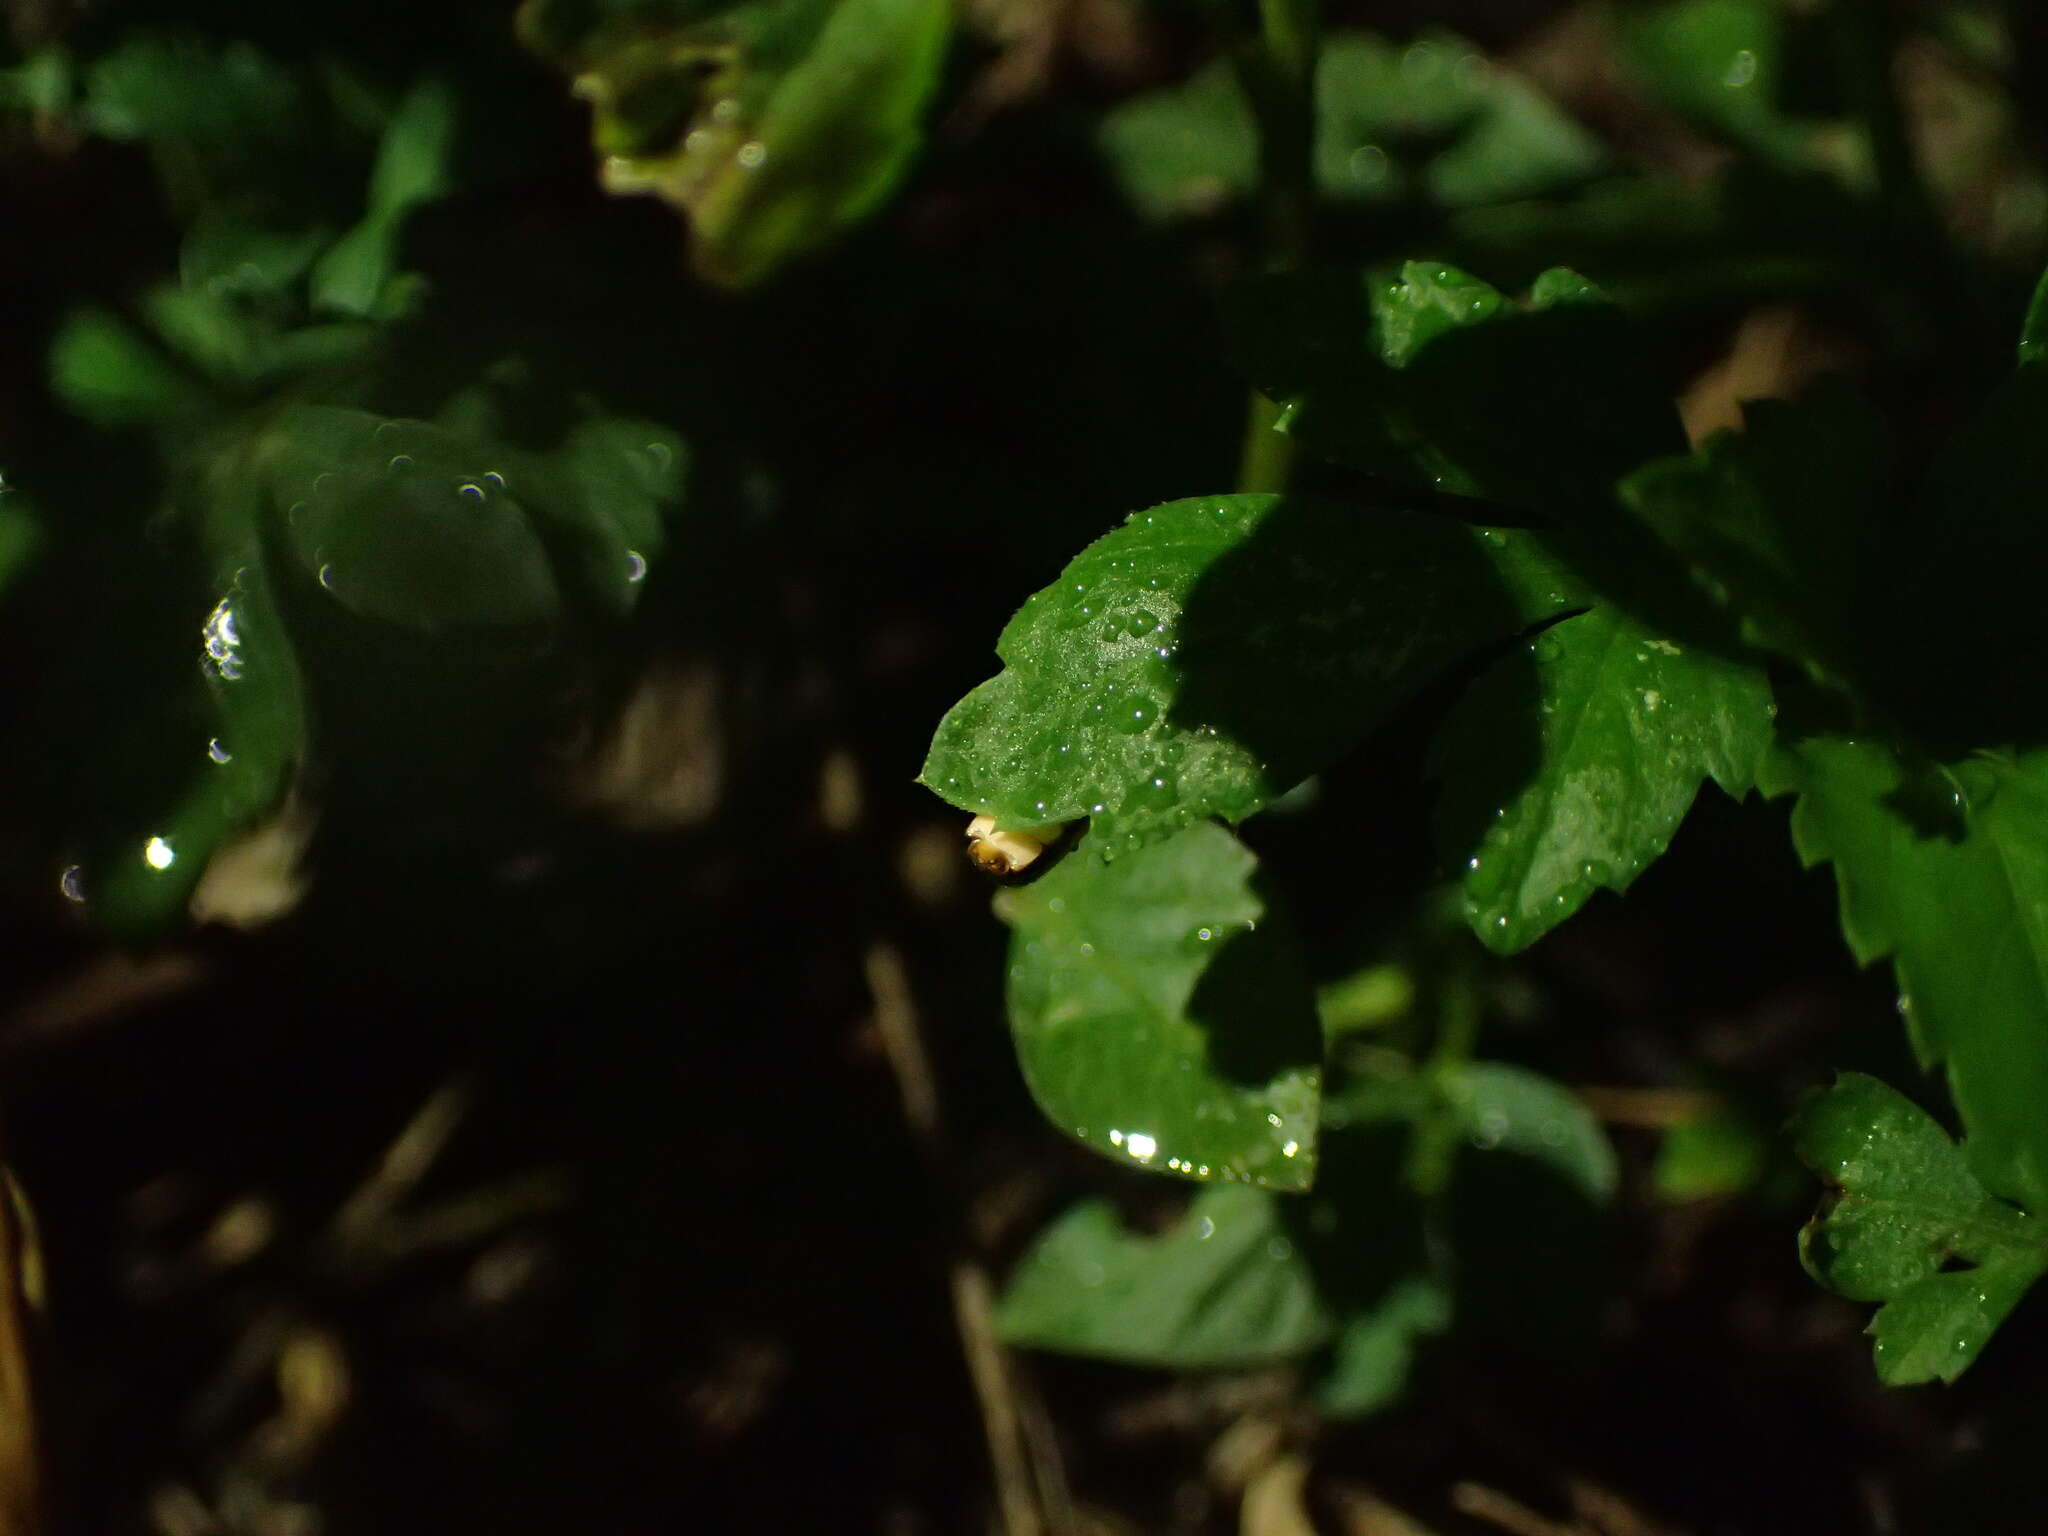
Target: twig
[
  {"x": 1031, "y": 1486},
  {"x": 1511, "y": 1515},
  {"x": 404, "y": 1164},
  {"x": 20, "y": 1295},
  {"x": 1654, "y": 1109},
  {"x": 100, "y": 993},
  {"x": 1277, "y": 71}
]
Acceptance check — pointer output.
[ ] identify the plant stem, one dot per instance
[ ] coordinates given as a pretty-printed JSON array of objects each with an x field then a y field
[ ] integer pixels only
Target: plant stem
[
  {"x": 1437, "y": 1136},
  {"x": 1433, "y": 1153},
  {"x": 1277, "y": 71},
  {"x": 1864, "y": 41}
]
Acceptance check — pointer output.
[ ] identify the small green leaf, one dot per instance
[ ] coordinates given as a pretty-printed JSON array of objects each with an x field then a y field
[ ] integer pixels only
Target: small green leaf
[
  {"x": 1184, "y": 148},
  {"x": 1366, "y": 1000},
  {"x": 102, "y": 369},
  {"x": 1375, "y": 1349},
  {"x": 1511, "y": 1109},
  {"x": 1905, "y": 1211},
  {"x": 1429, "y": 120},
  {"x": 1162, "y": 1018},
  {"x": 1433, "y": 377},
  {"x": 1223, "y": 1287},
  {"x": 603, "y": 498},
  {"x": 410, "y": 525},
  {"x": 1965, "y": 920},
  {"x": 138, "y": 886},
  {"x": 42, "y": 83},
  {"x": 1720, "y": 61},
  {"x": 1722, "y": 1154},
  {"x": 220, "y": 119},
  {"x": 228, "y": 253},
  {"x": 1436, "y": 117},
  {"x": 1621, "y": 725},
  {"x": 1207, "y": 656},
  {"x": 413, "y": 168},
  {"x": 21, "y": 535},
  {"x": 2034, "y": 330}
]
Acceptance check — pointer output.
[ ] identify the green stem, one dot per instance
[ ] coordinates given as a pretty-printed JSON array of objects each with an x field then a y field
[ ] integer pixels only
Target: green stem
[
  {"x": 1433, "y": 1152},
  {"x": 1277, "y": 71},
  {"x": 1435, "y": 1146},
  {"x": 1864, "y": 40},
  {"x": 1268, "y": 453}
]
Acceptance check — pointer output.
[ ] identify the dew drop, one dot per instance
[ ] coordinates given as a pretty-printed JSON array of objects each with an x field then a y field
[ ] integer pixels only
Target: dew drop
[{"x": 1135, "y": 715}]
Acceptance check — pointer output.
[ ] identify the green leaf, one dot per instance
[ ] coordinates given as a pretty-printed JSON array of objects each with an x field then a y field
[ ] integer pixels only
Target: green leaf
[
  {"x": 1720, "y": 61},
  {"x": 139, "y": 889},
  {"x": 414, "y": 167},
  {"x": 609, "y": 487},
  {"x": 1779, "y": 524},
  {"x": 21, "y": 535},
  {"x": 228, "y": 253},
  {"x": 1432, "y": 119},
  {"x": 1374, "y": 1354},
  {"x": 1369, "y": 999},
  {"x": 1436, "y": 117},
  {"x": 2034, "y": 330},
  {"x": 1208, "y": 655},
  {"x": 776, "y": 128},
  {"x": 1620, "y": 725},
  {"x": 1511, "y": 1109},
  {"x": 219, "y": 118},
  {"x": 1435, "y": 378},
  {"x": 1222, "y": 1287},
  {"x": 102, "y": 369},
  {"x": 1965, "y": 920},
  {"x": 1161, "y": 1018},
  {"x": 1184, "y": 148},
  {"x": 42, "y": 83},
  {"x": 1904, "y": 1214},
  {"x": 410, "y": 525},
  {"x": 1722, "y": 1154}
]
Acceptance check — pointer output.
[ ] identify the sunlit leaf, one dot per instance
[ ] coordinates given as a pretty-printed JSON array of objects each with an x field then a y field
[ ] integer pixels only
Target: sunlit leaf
[
  {"x": 1571, "y": 763},
  {"x": 1223, "y": 1286},
  {"x": 1907, "y": 1224},
  {"x": 1162, "y": 1017},
  {"x": 1205, "y": 657},
  {"x": 1962, "y": 910}
]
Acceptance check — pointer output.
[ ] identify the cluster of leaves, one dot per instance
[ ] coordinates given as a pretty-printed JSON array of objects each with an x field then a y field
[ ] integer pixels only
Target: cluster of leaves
[
  {"x": 340, "y": 483},
  {"x": 346, "y": 573},
  {"x": 1629, "y": 619}
]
